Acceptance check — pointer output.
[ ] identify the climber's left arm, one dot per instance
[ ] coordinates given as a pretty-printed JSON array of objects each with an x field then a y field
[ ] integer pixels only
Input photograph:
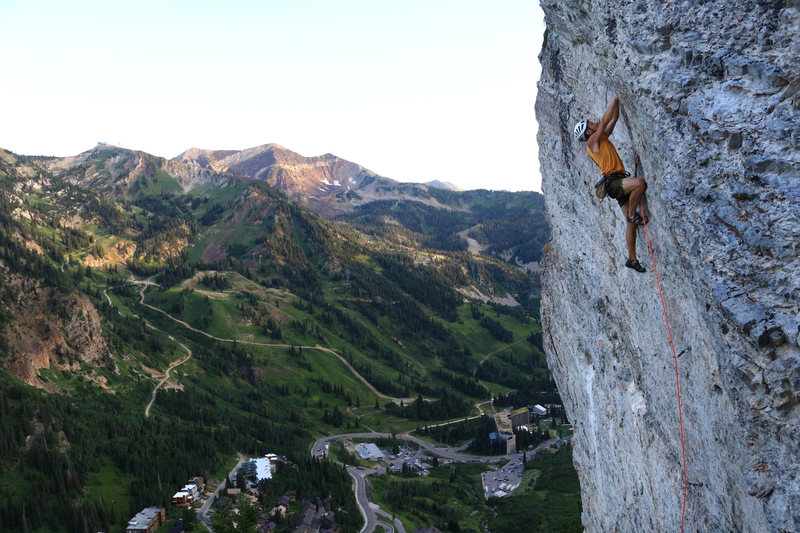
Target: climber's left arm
[{"x": 610, "y": 117}]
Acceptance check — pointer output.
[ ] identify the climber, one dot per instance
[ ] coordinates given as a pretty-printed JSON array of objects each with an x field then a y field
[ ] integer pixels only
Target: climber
[{"x": 625, "y": 190}]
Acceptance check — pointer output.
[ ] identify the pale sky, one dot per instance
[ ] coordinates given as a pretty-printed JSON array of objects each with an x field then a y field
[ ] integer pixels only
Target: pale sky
[{"x": 412, "y": 90}]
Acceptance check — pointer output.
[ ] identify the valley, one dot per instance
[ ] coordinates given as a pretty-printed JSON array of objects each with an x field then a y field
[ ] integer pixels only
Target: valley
[{"x": 170, "y": 316}]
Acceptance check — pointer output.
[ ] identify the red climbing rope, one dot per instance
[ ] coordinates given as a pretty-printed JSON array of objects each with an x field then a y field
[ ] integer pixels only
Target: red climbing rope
[{"x": 677, "y": 382}]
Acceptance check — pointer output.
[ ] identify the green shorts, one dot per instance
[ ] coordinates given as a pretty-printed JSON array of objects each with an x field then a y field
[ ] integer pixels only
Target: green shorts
[{"x": 614, "y": 189}]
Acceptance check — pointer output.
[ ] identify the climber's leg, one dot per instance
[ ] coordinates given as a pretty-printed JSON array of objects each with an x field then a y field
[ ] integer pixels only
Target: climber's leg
[
  {"x": 635, "y": 188},
  {"x": 630, "y": 233}
]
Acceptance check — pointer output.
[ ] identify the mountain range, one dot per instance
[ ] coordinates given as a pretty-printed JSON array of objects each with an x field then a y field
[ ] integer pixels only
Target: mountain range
[{"x": 327, "y": 184}]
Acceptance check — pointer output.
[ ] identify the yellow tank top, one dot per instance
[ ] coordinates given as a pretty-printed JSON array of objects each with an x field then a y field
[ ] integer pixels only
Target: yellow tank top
[{"x": 606, "y": 157}]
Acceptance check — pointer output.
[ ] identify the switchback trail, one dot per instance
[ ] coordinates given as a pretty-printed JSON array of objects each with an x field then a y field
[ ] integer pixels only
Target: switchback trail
[
  {"x": 185, "y": 324},
  {"x": 166, "y": 374},
  {"x": 146, "y": 283},
  {"x": 171, "y": 365},
  {"x": 506, "y": 347}
]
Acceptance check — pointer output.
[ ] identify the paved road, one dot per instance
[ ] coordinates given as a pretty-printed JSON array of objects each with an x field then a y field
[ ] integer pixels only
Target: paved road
[
  {"x": 359, "y": 476},
  {"x": 454, "y": 454},
  {"x": 202, "y": 513},
  {"x": 370, "y": 510},
  {"x": 397, "y": 523}
]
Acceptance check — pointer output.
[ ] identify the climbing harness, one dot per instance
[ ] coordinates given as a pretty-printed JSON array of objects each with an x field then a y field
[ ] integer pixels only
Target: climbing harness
[{"x": 674, "y": 355}]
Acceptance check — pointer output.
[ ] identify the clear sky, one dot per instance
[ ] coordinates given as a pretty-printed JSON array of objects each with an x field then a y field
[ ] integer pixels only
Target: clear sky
[{"x": 412, "y": 90}]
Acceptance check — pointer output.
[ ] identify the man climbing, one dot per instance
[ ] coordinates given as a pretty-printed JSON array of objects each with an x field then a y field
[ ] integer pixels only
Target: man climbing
[{"x": 625, "y": 190}]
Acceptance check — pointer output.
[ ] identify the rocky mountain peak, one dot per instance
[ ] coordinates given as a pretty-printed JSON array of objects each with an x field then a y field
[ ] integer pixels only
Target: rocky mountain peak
[
  {"x": 320, "y": 181},
  {"x": 203, "y": 158}
]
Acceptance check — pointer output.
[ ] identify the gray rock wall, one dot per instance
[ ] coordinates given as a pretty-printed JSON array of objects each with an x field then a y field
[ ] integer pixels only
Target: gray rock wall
[{"x": 711, "y": 103}]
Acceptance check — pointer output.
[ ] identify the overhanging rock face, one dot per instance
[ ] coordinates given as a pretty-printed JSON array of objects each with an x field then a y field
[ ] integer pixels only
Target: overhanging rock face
[{"x": 710, "y": 95}]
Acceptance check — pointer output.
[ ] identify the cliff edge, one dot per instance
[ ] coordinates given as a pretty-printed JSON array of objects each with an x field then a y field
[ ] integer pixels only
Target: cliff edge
[{"x": 710, "y": 97}]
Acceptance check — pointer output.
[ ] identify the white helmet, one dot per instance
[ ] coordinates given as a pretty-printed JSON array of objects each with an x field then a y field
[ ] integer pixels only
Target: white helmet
[{"x": 580, "y": 130}]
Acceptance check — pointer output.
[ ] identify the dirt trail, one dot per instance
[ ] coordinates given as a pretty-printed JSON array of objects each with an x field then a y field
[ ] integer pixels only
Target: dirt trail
[
  {"x": 145, "y": 284},
  {"x": 166, "y": 374},
  {"x": 148, "y": 283},
  {"x": 506, "y": 347},
  {"x": 172, "y": 365}
]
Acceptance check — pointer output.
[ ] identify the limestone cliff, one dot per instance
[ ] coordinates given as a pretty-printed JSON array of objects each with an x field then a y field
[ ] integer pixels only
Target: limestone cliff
[{"x": 711, "y": 104}]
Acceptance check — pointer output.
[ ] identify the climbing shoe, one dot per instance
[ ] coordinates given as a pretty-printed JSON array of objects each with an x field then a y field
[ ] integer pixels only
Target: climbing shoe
[
  {"x": 634, "y": 264},
  {"x": 635, "y": 219}
]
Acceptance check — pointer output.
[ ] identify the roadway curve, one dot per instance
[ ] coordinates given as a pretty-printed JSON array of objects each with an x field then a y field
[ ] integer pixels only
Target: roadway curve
[
  {"x": 318, "y": 450},
  {"x": 370, "y": 510}
]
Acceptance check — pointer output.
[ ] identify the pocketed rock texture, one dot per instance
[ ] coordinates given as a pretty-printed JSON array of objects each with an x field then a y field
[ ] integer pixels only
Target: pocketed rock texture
[{"x": 710, "y": 97}]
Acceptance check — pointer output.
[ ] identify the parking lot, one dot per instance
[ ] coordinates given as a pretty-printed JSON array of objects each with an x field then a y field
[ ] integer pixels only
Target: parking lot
[
  {"x": 416, "y": 461},
  {"x": 502, "y": 481}
]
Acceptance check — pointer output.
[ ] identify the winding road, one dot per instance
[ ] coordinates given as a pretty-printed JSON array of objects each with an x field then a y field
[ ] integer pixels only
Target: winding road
[{"x": 371, "y": 510}]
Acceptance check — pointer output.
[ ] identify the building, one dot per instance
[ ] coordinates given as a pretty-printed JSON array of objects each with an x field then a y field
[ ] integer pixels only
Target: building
[
  {"x": 306, "y": 519},
  {"x": 182, "y": 499},
  {"x": 147, "y": 520},
  {"x": 197, "y": 481},
  {"x": 328, "y": 519},
  {"x": 273, "y": 461},
  {"x": 192, "y": 489},
  {"x": 369, "y": 450},
  {"x": 279, "y": 509},
  {"x": 519, "y": 417},
  {"x": 539, "y": 410},
  {"x": 505, "y": 431},
  {"x": 261, "y": 468},
  {"x": 188, "y": 494}
]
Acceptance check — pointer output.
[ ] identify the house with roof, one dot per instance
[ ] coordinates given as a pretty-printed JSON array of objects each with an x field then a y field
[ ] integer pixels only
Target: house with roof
[
  {"x": 147, "y": 520},
  {"x": 182, "y": 499}
]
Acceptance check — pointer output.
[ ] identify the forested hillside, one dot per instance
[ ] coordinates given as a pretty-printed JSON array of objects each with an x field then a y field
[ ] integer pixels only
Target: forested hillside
[
  {"x": 503, "y": 224},
  {"x": 288, "y": 327}
]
